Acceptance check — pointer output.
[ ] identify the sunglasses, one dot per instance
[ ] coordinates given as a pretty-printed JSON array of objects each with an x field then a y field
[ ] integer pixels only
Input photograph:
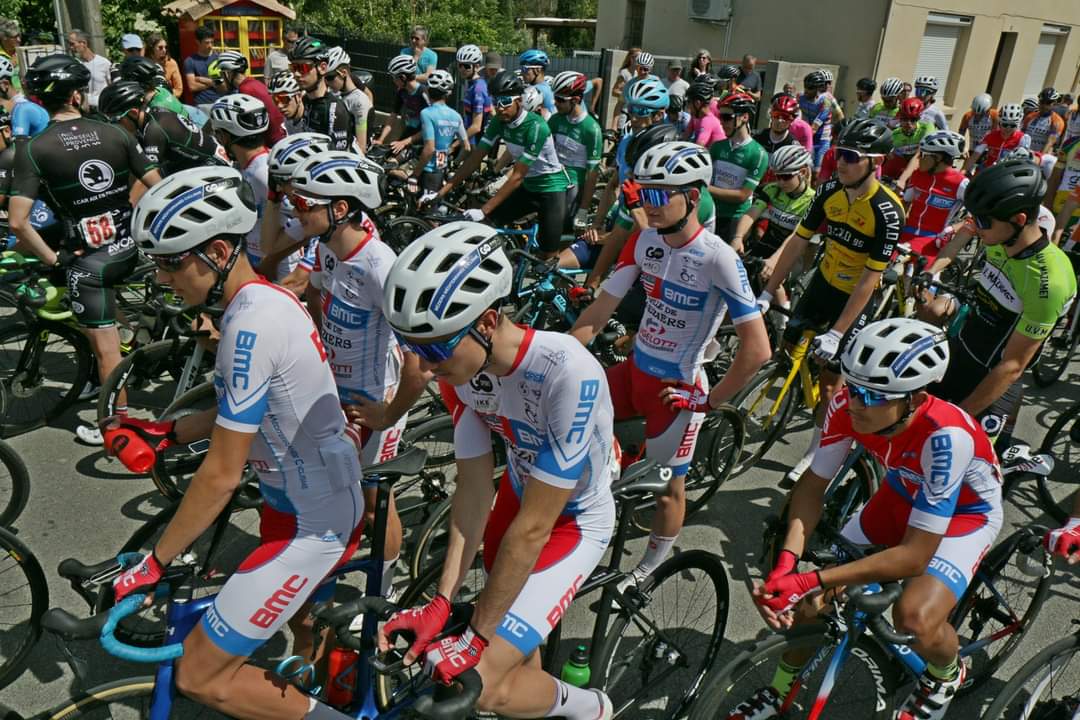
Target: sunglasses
[
  {"x": 787, "y": 176},
  {"x": 641, "y": 112},
  {"x": 726, "y": 117},
  {"x": 307, "y": 204},
  {"x": 465, "y": 66},
  {"x": 849, "y": 156},
  {"x": 870, "y": 398},
  {"x": 983, "y": 222},
  {"x": 504, "y": 101},
  {"x": 563, "y": 98},
  {"x": 786, "y": 117},
  {"x": 656, "y": 197},
  {"x": 282, "y": 97},
  {"x": 171, "y": 263},
  {"x": 435, "y": 352},
  {"x": 302, "y": 68},
  {"x": 1010, "y": 126}
]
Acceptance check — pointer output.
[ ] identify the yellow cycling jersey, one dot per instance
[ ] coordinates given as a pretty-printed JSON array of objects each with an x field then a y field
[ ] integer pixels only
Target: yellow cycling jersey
[{"x": 860, "y": 234}]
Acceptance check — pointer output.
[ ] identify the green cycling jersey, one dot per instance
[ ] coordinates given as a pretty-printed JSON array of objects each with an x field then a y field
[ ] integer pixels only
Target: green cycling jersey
[
  {"x": 784, "y": 211},
  {"x": 579, "y": 143},
  {"x": 529, "y": 141}
]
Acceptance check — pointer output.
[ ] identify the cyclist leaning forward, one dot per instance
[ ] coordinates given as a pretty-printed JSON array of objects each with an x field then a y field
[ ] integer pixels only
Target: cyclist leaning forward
[
  {"x": 863, "y": 220},
  {"x": 87, "y": 168},
  {"x": 936, "y": 514},
  {"x": 553, "y": 514}
]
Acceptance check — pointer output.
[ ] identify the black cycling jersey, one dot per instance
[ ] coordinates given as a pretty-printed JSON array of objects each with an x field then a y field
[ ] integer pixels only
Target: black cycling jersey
[
  {"x": 41, "y": 216},
  {"x": 764, "y": 138},
  {"x": 330, "y": 116},
  {"x": 175, "y": 143}
]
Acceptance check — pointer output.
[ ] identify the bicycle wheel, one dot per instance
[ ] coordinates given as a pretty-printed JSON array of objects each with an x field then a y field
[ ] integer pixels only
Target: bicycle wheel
[
  {"x": 999, "y": 605},
  {"x": 147, "y": 375},
  {"x": 14, "y": 485},
  {"x": 1047, "y": 686},
  {"x": 865, "y": 686},
  {"x": 43, "y": 366},
  {"x": 128, "y": 699},
  {"x": 216, "y": 555},
  {"x": 24, "y": 598},
  {"x": 654, "y": 658},
  {"x": 755, "y": 403},
  {"x": 401, "y": 231},
  {"x": 420, "y": 493},
  {"x": 1062, "y": 441},
  {"x": 1056, "y": 353}
]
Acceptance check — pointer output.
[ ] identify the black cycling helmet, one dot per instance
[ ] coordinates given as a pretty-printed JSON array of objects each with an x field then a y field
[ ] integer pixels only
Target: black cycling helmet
[
  {"x": 310, "y": 49},
  {"x": 55, "y": 77},
  {"x": 1049, "y": 95},
  {"x": 700, "y": 90},
  {"x": 119, "y": 98},
  {"x": 867, "y": 137},
  {"x": 1005, "y": 189},
  {"x": 362, "y": 78},
  {"x": 815, "y": 79},
  {"x": 727, "y": 72},
  {"x": 676, "y": 103},
  {"x": 140, "y": 69},
  {"x": 506, "y": 83},
  {"x": 650, "y": 137},
  {"x": 867, "y": 85}
]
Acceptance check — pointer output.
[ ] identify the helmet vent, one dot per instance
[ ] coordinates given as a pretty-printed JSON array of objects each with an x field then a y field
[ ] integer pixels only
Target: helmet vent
[{"x": 447, "y": 263}]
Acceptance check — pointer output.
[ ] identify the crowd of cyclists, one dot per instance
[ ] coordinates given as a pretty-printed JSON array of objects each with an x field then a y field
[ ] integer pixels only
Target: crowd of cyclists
[{"x": 263, "y": 215}]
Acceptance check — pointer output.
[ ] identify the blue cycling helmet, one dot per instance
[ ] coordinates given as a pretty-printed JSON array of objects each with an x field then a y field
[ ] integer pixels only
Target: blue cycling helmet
[
  {"x": 648, "y": 93},
  {"x": 534, "y": 57}
]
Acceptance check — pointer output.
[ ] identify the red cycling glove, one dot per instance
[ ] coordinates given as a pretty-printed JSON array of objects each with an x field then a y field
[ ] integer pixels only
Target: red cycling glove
[
  {"x": 1065, "y": 541},
  {"x": 631, "y": 196},
  {"x": 453, "y": 655},
  {"x": 784, "y": 592},
  {"x": 145, "y": 576},
  {"x": 688, "y": 397},
  {"x": 423, "y": 622},
  {"x": 580, "y": 294},
  {"x": 785, "y": 564}
]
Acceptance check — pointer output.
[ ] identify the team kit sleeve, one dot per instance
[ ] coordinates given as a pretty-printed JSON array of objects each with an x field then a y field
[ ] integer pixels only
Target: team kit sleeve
[
  {"x": 944, "y": 458},
  {"x": 492, "y": 132},
  {"x": 27, "y": 182},
  {"x": 731, "y": 280},
  {"x": 569, "y": 405},
  {"x": 757, "y": 170},
  {"x": 1043, "y": 308},
  {"x": 246, "y": 363},
  {"x": 472, "y": 439},
  {"x": 427, "y": 124},
  {"x": 836, "y": 438},
  {"x": 889, "y": 222},
  {"x": 626, "y": 269},
  {"x": 538, "y": 135},
  {"x": 140, "y": 164},
  {"x": 816, "y": 214},
  {"x": 595, "y": 146}
]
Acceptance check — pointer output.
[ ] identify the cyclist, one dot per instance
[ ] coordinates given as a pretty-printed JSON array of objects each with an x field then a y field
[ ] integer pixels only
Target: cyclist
[
  {"x": 340, "y": 81},
  {"x": 229, "y": 73},
  {"x": 1043, "y": 125},
  {"x": 1063, "y": 188},
  {"x": 1006, "y": 137},
  {"x": 324, "y": 112},
  {"x": 785, "y": 127},
  {"x": 738, "y": 163},
  {"x": 533, "y": 64},
  {"x": 538, "y": 181},
  {"x": 89, "y": 189},
  {"x": 936, "y": 515},
  {"x": 170, "y": 141},
  {"x": 409, "y": 100},
  {"x": 553, "y": 514},
  {"x": 935, "y": 193},
  {"x": 863, "y": 221},
  {"x": 705, "y": 128},
  {"x": 884, "y": 111},
  {"x": 980, "y": 119},
  {"x": 27, "y": 118},
  {"x": 692, "y": 279},
  {"x": 864, "y": 98},
  {"x": 835, "y": 109},
  {"x": 903, "y": 159},
  {"x": 579, "y": 142},
  {"x": 726, "y": 76},
  {"x": 1025, "y": 285},
  {"x": 926, "y": 87},
  {"x": 476, "y": 107},
  {"x": 441, "y": 127},
  {"x": 676, "y": 113},
  {"x": 276, "y": 399},
  {"x": 289, "y": 99},
  {"x": 816, "y": 110},
  {"x": 147, "y": 73}
]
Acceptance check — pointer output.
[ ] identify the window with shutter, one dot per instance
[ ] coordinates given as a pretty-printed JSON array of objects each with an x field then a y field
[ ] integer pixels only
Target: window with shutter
[
  {"x": 937, "y": 51},
  {"x": 1040, "y": 64}
]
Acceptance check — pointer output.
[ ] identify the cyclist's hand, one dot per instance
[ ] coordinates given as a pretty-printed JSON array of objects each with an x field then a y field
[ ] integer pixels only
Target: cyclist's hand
[
  {"x": 423, "y": 623},
  {"x": 1065, "y": 541},
  {"x": 826, "y": 346},
  {"x": 768, "y": 268},
  {"x": 590, "y": 235},
  {"x": 399, "y": 145},
  {"x": 64, "y": 258},
  {"x": 453, "y": 655},
  {"x": 785, "y": 564},
  {"x": 580, "y": 294},
  {"x": 369, "y": 413},
  {"x": 764, "y": 301},
  {"x": 143, "y": 576},
  {"x": 682, "y": 396},
  {"x": 942, "y": 239},
  {"x": 136, "y": 442},
  {"x": 630, "y": 191},
  {"x": 781, "y": 594},
  {"x": 475, "y": 214},
  {"x": 738, "y": 246}
]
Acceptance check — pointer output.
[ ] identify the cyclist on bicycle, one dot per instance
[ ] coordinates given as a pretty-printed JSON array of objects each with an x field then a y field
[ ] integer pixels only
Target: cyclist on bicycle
[
  {"x": 903, "y": 161},
  {"x": 863, "y": 221},
  {"x": 705, "y": 127},
  {"x": 817, "y": 110},
  {"x": 476, "y": 107},
  {"x": 980, "y": 119},
  {"x": 85, "y": 166},
  {"x": 278, "y": 412},
  {"x": 738, "y": 163},
  {"x": 409, "y": 100},
  {"x": 884, "y": 111},
  {"x": 935, "y": 192},
  {"x": 785, "y": 128},
  {"x": 936, "y": 514},
  {"x": 926, "y": 87},
  {"x": 864, "y": 98},
  {"x": 579, "y": 142},
  {"x": 441, "y": 128},
  {"x": 537, "y": 182},
  {"x": 229, "y": 73},
  {"x": 324, "y": 112},
  {"x": 341, "y": 82},
  {"x": 692, "y": 279},
  {"x": 1000, "y": 141},
  {"x": 533, "y": 64},
  {"x": 1044, "y": 126},
  {"x": 1065, "y": 540},
  {"x": 146, "y": 72},
  {"x": 27, "y": 117},
  {"x": 553, "y": 514}
]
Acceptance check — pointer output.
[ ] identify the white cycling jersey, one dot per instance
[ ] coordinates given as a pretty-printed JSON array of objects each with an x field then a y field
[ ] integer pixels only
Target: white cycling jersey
[
  {"x": 553, "y": 410},
  {"x": 688, "y": 291},
  {"x": 257, "y": 174}
]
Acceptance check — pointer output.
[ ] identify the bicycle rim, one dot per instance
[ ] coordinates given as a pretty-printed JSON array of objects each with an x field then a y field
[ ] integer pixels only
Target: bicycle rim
[
  {"x": 43, "y": 367},
  {"x": 761, "y": 427},
  {"x": 24, "y": 598},
  {"x": 1062, "y": 441},
  {"x": 128, "y": 699},
  {"x": 147, "y": 376},
  {"x": 1049, "y": 681},
  {"x": 1056, "y": 353},
  {"x": 14, "y": 485}
]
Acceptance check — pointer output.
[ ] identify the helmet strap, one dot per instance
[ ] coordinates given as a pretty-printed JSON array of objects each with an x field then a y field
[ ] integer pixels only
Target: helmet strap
[
  {"x": 893, "y": 427},
  {"x": 866, "y": 175},
  {"x": 214, "y": 294},
  {"x": 335, "y": 223},
  {"x": 690, "y": 207}
]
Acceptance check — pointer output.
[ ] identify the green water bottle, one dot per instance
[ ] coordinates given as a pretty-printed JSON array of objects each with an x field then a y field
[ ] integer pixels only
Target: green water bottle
[{"x": 575, "y": 671}]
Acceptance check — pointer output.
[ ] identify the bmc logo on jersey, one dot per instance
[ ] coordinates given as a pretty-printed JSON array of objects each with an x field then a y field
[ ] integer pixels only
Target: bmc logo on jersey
[
  {"x": 241, "y": 365},
  {"x": 941, "y": 457},
  {"x": 347, "y": 317},
  {"x": 682, "y": 298}
]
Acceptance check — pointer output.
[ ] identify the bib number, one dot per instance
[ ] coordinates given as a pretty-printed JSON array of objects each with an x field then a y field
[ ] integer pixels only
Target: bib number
[
  {"x": 440, "y": 159},
  {"x": 97, "y": 231}
]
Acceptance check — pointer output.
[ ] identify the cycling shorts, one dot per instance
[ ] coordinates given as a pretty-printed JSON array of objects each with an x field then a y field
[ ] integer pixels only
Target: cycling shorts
[
  {"x": 295, "y": 554},
  {"x": 575, "y": 547},
  {"x": 963, "y": 376},
  {"x": 432, "y": 180},
  {"x": 925, "y": 244},
  {"x": 550, "y": 208},
  {"x": 586, "y": 253},
  {"x": 819, "y": 153},
  {"x": 92, "y": 277},
  {"x": 573, "y": 203},
  {"x": 884, "y": 520},
  {"x": 819, "y": 307},
  {"x": 377, "y": 446},
  {"x": 670, "y": 435}
]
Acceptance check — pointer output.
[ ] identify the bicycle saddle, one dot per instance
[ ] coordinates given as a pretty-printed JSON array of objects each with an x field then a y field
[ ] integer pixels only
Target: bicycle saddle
[
  {"x": 408, "y": 462},
  {"x": 642, "y": 478}
]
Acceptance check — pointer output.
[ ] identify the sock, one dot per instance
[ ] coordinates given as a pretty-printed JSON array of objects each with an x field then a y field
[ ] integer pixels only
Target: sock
[
  {"x": 120, "y": 410},
  {"x": 784, "y": 677},
  {"x": 947, "y": 673},
  {"x": 574, "y": 703},
  {"x": 387, "y": 577},
  {"x": 782, "y": 320},
  {"x": 656, "y": 552},
  {"x": 321, "y": 711}
]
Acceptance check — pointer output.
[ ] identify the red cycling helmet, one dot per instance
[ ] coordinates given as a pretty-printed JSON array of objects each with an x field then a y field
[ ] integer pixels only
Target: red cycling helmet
[
  {"x": 786, "y": 104},
  {"x": 910, "y": 109},
  {"x": 739, "y": 103}
]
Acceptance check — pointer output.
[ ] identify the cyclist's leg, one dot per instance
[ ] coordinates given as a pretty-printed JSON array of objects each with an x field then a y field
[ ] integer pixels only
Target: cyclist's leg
[{"x": 379, "y": 446}]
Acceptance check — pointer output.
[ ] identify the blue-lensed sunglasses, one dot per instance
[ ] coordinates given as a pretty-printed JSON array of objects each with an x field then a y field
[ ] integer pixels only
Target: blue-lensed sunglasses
[
  {"x": 639, "y": 111},
  {"x": 503, "y": 101},
  {"x": 435, "y": 352},
  {"x": 655, "y": 197},
  {"x": 870, "y": 398}
]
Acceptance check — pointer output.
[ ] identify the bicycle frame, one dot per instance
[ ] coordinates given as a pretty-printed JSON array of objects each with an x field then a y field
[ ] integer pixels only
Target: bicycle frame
[{"x": 799, "y": 369}]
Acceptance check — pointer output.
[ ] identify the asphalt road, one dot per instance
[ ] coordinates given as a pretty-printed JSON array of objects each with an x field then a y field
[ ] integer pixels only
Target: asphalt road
[{"x": 85, "y": 505}]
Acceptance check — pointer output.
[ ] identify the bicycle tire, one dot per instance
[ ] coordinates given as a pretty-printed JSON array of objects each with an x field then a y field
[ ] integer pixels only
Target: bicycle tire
[
  {"x": 980, "y": 610},
  {"x": 142, "y": 373},
  {"x": 1056, "y": 352},
  {"x": 402, "y": 230},
  {"x": 29, "y": 402},
  {"x": 14, "y": 485},
  {"x": 753, "y": 403},
  {"x": 136, "y": 694},
  {"x": 876, "y": 692},
  {"x": 1045, "y": 668},
  {"x": 623, "y": 671},
  {"x": 23, "y": 628},
  {"x": 1062, "y": 442}
]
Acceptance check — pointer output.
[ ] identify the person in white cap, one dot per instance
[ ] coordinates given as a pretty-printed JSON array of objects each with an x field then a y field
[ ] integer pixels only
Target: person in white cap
[{"x": 132, "y": 44}]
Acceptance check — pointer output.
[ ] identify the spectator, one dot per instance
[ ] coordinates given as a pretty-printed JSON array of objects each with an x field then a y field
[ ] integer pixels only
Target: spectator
[
  {"x": 626, "y": 72},
  {"x": 79, "y": 46},
  {"x": 702, "y": 64},
  {"x": 425, "y": 57},
  {"x": 10, "y": 37},
  {"x": 748, "y": 78},
  {"x": 197, "y": 70},
  {"x": 278, "y": 58},
  {"x": 158, "y": 51},
  {"x": 492, "y": 64},
  {"x": 132, "y": 44},
  {"x": 790, "y": 89},
  {"x": 1062, "y": 107},
  {"x": 676, "y": 86}
]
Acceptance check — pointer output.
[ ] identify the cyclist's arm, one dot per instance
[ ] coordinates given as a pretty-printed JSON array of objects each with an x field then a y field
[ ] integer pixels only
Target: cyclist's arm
[
  {"x": 425, "y": 155},
  {"x": 909, "y": 169},
  {"x": 804, "y": 511},
  {"x": 29, "y": 239},
  {"x": 196, "y": 426},
  {"x": 593, "y": 318},
  {"x": 588, "y": 188},
  {"x": 607, "y": 199},
  {"x": 1019, "y": 350},
  {"x": 754, "y": 350},
  {"x": 612, "y": 245},
  {"x": 858, "y": 299},
  {"x": 733, "y": 196},
  {"x": 592, "y": 168},
  {"x": 466, "y": 169},
  {"x": 517, "y": 176},
  {"x": 791, "y": 250},
  {"x": 476, "y": 126},
  {"x": 742, "y": 228},
  {"x": 960, "y": 238},
  {"x": 382, "y": 415},
  {"x": 973, "y": 158},
  {"x": 908, "y": 559},
  {"x": 1071, "y": 203}
]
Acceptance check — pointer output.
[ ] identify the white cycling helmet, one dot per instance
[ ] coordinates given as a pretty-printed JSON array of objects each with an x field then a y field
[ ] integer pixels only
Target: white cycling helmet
[
  {"x": 469, "y": 55},
  {"x": 401, "y": 65},
  {"x": 192, "y": 206},
  {"x": 1010, "y": 115},
  {"x": 1030, "y": 104},
  {"x": 283, "y": 82},
  {"x": 440, "y": 80},
  {"x": 291, "y": 150},
  {"x": 981, "y": 103},
  {"x": 7, "y": 70},
  {"x": 239, "y": 115},
  {"x": 828, "y": 75},
  {"x": 568, "y": 82},
  {"x": 445, "y": 279},
  {"x": 674, "y": 164},
  {"x": 645, "y": 60},
  {"x": 927, "y": 81},
  {"x": 891, "y": 87},
  {"x": 648, "y": 92},
  {"x": 337, "y": 174},
  {"x": 532, "y": 99},
  {"x": 337, "y": 57},
  {"x": 1018, "y": 153},
  {"x": 790, "y": 158},
  {"x": 945, "y": 142},
  {"x": 897, "y": 356}
]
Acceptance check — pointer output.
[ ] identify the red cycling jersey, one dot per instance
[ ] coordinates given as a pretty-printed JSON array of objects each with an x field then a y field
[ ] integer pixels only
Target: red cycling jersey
[
  {"x": 932, "y": 200},
  {"x": 996, "y": 141}
]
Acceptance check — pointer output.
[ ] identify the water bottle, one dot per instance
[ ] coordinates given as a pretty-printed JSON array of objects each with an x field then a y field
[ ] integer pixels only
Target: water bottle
[
  {"x": 341, "y": 676},
  {"x": 131, "y": 449},
  {"x": 575, "y": 671}
]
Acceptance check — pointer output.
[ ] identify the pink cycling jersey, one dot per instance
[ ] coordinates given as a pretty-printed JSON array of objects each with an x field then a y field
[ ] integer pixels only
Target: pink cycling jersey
[{"x": 705, "y": 130}]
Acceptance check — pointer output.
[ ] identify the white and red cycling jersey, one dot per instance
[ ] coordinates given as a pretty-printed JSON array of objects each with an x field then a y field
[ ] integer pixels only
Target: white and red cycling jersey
[
  {"x": 932, "y": 199},
  {"x": 996, "y": 141}
]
